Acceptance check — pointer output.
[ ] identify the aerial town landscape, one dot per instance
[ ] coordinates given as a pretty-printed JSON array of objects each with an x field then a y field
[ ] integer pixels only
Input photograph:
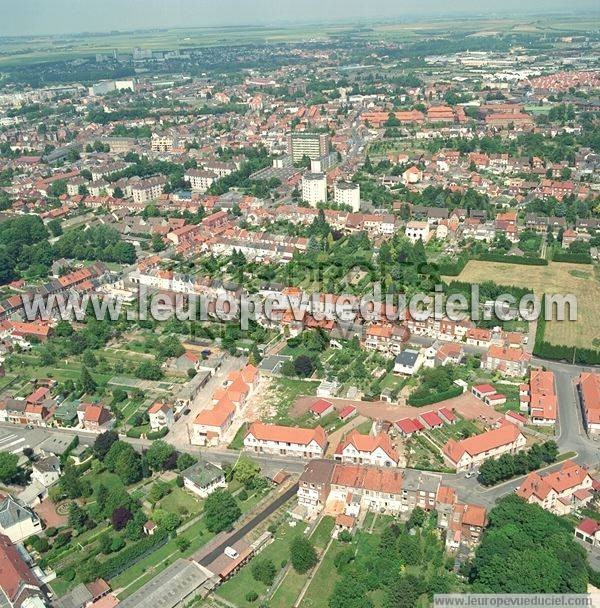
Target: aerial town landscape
[{"x": 325, "y": 431}]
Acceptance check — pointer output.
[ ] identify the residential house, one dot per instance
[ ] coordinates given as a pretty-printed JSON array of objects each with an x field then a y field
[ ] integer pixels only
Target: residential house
[
  {"x": 408, "y": 362},
  {"x": 161, "y": 415},
  {"x": 94, "y": 417},
  {"x": 543, "y": 401},
  {"x": 46, "y": 471},
  {"x": 285, "y": 441},
  {"x": 357, "y": 448},
  {"x": 17, "y": 521},
  {"x": 19, "y": 587},
  {"x": 559, "y": 491},
  {"x": 211, "y": 424},
  {"x": 588, "y": 386},
  {"x": 203, "y": 478},
  {"x": 315, "y": 484},
  {"x": 468, "y": 454},
  {"x": 418, "y": 231},
  {"x": 508, "y": 361}
]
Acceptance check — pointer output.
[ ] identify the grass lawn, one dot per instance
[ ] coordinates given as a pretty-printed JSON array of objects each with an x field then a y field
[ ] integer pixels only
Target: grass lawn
[
  {"x": 288, "y": 591},
  {"x": 110, "y": 480},
  {"x": 59, "y": 586},
  {"x": 292, "y": 584},
  {"x": 556, "y": 278},
  {"x": 181, "y": 503},
  {"x": 319, "y": 591}
]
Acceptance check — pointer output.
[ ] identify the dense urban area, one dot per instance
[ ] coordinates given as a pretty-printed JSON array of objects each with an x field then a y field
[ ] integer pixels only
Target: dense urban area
[{"x": 303, "y": 459}]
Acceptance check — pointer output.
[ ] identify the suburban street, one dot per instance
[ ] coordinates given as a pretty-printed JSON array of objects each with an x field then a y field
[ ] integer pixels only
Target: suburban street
[{"x": 571, "y": 436}]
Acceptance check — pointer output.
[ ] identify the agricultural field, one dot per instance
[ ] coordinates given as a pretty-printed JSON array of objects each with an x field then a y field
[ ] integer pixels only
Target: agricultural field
[{"x": 580, "y": 280}]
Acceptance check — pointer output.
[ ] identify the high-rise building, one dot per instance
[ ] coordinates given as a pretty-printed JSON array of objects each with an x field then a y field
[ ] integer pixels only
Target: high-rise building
[
  {"x": 347, "y": 193},
  {"x": 314, "y": 188},
  {"x": 313, "y": 145}
]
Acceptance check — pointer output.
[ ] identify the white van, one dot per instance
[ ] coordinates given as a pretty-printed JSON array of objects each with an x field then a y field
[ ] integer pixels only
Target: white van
[{"x": 231, "y": 552}]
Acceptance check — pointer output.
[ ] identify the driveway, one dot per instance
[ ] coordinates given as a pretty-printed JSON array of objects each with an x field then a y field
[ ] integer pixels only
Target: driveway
[{"x": 466, "y": 405}]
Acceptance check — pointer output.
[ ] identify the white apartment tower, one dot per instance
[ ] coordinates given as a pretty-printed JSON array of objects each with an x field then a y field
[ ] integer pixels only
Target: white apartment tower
[
  {"x": 347, "y": 193},
  {"x": 314, "y": 188}
]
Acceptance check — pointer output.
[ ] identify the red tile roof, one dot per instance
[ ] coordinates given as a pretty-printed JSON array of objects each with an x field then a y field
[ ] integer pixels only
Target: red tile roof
[
  {"x": 368, "y": 443},
  {"x": 589, "y": 526},
  {"x": 320, "y": 406},
  {"x": 589, "y": 385},
  {"x": 568, "y": 477},
  {"x": 477, "y": 444},
  {"x": 14, "y": 572},
  {"x": 432, "y": 419},
  {"x": 287, "y": 434}
]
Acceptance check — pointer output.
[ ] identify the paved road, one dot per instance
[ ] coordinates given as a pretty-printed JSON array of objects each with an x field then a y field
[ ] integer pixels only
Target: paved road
[
  {"x": 571, "y": 437},
  {"x": 238, "y": 534},
  {"x": 14, "y": 438}
]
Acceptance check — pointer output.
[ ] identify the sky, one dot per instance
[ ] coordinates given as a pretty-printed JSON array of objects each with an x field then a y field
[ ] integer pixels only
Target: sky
[{"x": 34, "y": 17}]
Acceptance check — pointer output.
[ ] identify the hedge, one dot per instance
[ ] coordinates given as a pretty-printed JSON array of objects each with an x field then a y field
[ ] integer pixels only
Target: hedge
[
  {"x": 455, "y": 391},
  {"x": 512, "y": 259},
  {"x": 131, "y": 555},
  {"x": 574, "y": 258},
  {"x": 157, "y": 434},
  {"x": 454, "y": 268}
]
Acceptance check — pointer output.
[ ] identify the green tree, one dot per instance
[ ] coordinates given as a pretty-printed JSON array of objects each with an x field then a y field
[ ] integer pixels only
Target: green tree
[
  {"x": 158, "y": 454},
  {"x": 86, "y": 383},
  {"x": 302, "y": 554},
  {"x": 77, "y": 517},
  {"x": 103, "y": 443},
  {"x": 263, "y": 570},
  {"x": 220, "y": 511},
  {"x": 9, "y": 467}
]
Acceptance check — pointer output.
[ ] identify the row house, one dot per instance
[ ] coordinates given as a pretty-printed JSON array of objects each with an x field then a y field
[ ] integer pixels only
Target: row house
[
  {"x": 508, "y": 361},
  {"x": 285, "y": 441},
  {"x": 539, "y": 397},
  {"x": 468, "y": 454},
  {"x": 357, "y": 448},
  {"x": 220, "y": 168},
  {"x": 560, "y": 492},
  {"x": 385, "y": 338},
  {"x": 352, "y": 488},
  {"x": 18, "y": 584},
  {"x": 588, "y": 387},
  {"x": 463, "y": 523},
  {"x": 212, "y": 423},
  {"x": 440, "y": 329},
  {"x": 108, "y": 170}
]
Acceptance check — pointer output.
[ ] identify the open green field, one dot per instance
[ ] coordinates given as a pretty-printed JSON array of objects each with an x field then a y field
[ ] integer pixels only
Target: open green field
[
  {"x": 16, "y": 51},
  {"x": 581, "y": 280}
]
